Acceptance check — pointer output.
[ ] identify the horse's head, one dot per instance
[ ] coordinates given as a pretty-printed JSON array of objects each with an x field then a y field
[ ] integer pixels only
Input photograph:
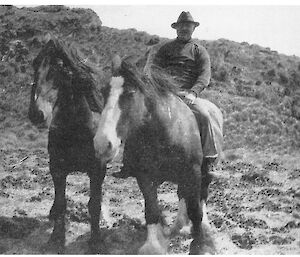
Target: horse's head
[
  {"x": 50, "y": 69},
  {"x": 124, "y": 109}
]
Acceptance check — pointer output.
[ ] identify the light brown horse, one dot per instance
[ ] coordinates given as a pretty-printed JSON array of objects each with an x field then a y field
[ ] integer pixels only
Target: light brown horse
[{"x": 162, "y": 143}]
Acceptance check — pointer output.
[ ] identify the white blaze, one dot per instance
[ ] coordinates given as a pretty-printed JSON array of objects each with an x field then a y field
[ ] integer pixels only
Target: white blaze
[
  {"x": 107, "y": 129},
  {"x": 42, "y": 102},
  {"x": 95, "y": 121},
  {"x": 46, "y": 107}
]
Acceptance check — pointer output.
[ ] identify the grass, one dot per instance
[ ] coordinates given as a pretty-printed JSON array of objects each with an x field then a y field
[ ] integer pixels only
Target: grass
[{"x": 251, "y": 123}]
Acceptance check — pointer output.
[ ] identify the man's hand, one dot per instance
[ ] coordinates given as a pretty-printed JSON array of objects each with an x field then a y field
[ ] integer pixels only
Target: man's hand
[{"x": 188, "y": 98}]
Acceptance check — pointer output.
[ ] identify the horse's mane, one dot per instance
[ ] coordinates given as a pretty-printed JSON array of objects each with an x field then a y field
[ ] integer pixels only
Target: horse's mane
[
  {"x": 154, "y": 85},
  {"x": 82, "y": 73}
]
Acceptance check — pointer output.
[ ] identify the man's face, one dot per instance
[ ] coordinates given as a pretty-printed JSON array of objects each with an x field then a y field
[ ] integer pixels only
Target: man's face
[{"x": 185, "y": 30}]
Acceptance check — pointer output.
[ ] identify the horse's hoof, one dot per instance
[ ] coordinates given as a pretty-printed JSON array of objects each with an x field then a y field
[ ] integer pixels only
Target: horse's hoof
[
  {"x": 96, "y": 246},
  {"x": 153, "y": 248},
  {"x": 53, "y": 246},
  {"x": 199, "y": 248}
]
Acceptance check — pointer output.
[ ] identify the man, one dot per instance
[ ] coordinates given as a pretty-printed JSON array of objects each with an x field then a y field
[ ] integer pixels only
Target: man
[{"x": 189, "y": 64}]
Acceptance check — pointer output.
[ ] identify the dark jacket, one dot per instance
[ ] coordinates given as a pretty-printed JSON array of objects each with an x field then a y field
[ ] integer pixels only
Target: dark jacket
[{"x": 187, "y": 62}]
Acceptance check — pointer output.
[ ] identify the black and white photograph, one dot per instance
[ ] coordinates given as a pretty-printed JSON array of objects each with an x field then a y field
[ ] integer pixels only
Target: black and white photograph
[{"x": 156, "y": 127}]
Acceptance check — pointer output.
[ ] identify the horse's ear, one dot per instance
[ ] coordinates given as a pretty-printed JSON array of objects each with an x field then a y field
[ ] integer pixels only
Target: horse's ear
[{"x": 116, "y": 64}]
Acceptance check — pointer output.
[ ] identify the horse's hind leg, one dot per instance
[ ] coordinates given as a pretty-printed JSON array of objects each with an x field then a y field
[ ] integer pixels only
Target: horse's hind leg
[
  {"x": 202, "y": 242},
  {"x": 205, "y": 181},
  {"x": 94, "y": 206},
  {"x": 157, "y": 241},
  {"x": 58, "y": 211},
  {"x": 182, "y": 223},
  {"x": 206, "y": 178}
]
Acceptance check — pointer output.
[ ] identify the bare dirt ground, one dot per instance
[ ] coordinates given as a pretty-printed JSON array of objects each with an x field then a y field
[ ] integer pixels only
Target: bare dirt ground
[{"x": 254, "y": 203}]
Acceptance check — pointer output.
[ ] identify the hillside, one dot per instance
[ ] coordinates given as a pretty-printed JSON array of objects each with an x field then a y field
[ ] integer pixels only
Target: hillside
[
  {"x": 254, "y": 205},
  {"x": 257, "y": 88}
]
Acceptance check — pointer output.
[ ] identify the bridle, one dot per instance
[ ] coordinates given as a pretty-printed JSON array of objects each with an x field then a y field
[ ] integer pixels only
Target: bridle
[{"x": 34, "y": 84}]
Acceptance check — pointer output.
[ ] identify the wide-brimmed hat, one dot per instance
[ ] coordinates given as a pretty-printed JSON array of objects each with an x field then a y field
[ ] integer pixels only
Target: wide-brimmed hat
[{"x": 184, "y": 17}]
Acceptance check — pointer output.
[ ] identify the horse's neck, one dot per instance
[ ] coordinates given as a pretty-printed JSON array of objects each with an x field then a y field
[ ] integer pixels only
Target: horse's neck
[
  {"x": 162, "y": 109},
  {"x": 94, "y": 100},
  {"x": 159, "y": 114},
  {"x": 71, "y": 111}
]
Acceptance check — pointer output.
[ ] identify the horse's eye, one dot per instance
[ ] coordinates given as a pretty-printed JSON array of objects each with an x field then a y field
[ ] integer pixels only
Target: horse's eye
[{"x": 59, "y": 62}]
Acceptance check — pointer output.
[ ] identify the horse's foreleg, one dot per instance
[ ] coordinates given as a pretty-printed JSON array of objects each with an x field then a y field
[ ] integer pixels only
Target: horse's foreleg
[
  {"x": 58, "y": 211},
  {"x": 157, "y": 241},
  {"x": 94, "y": 206}
]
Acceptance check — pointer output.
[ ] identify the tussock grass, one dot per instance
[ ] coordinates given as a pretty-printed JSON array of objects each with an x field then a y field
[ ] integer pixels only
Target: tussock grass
[{"x": 251, "y": 123}]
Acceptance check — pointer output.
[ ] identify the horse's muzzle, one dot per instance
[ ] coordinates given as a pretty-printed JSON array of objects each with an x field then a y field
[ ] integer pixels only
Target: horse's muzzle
[{"x": 105, "y": 150}]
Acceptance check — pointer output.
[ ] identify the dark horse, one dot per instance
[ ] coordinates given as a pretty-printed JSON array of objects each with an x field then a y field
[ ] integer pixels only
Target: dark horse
[
  {"x": 64, "y": 96},
  {"x": 162, "y": 143}
]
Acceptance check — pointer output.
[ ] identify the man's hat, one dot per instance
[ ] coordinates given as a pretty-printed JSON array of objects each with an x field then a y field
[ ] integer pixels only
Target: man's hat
[{"x": 184, "y": 17}]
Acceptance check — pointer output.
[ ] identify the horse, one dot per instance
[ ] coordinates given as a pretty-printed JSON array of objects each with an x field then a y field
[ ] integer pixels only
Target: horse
[
  {"x": 162, "y": 143},
  {"x": 65, "y": 97}
]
